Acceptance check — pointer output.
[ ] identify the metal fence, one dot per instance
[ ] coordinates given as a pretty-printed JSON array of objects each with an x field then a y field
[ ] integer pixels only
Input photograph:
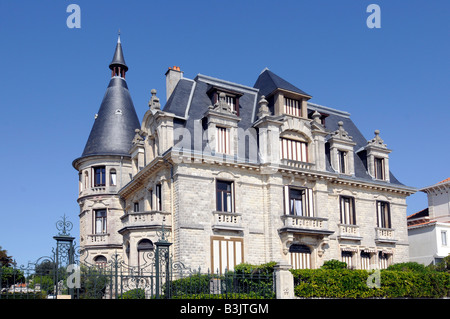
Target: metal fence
[{"x": 62, "y": 275}]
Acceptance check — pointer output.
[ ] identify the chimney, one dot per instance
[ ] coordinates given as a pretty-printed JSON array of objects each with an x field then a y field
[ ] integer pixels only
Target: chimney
[{"x": 173, "y": 75}]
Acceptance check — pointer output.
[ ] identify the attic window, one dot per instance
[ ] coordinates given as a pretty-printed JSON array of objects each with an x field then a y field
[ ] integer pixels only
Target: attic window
[
  {"x": 231, "y": 98},
  {"x": 118, "y": 112},
  {"x": 293, "y": 107}
]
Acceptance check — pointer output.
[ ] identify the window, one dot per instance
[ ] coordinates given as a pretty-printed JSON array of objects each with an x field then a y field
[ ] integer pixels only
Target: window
[
  {"x": 226, "y": 253},
  {"x": 444, "y": 238},
  {"x": 230, "y": 98},
  {"x": 300, "y": 256},
  {"x": 347, "y": 257},
  {"x": 231, "y": 101},
  {"x": 100, "y": 221},
  {"x": 347, "y": 210},
  {"x": 112, "y": 177},
  {"x": 99, "y": 176},
  {"x": 299, "y": 201},
  {"x": 136, "y": 207},
  {"x": 86, "y": 180},
  {"x": 342, "y": 162},
  {"x": 383, "y": 260},
  {"x": 365, "y": 260},
  {"x": 292, "y": 107},
  {"x": 100, "y": 261},
  {"x": 379, "y": 168},
  {"x": 158, "y": 202},
  {"x": 383, "y": 215},
  {"x": 223, "y": 140},
  {"x": 144, "y": 247},
  {"x": 293, "y": 150},
  {"x": 224, "y": 196}
]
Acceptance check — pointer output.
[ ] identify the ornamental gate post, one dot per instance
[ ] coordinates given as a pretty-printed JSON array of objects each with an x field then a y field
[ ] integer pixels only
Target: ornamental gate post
[
  {"x": 65, "y": 251},
  {"x": 163, "y": 264}
]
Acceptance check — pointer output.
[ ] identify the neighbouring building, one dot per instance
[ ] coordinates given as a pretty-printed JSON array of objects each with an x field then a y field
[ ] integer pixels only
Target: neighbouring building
[
  {"x": 237, "y": 174},
  {"x": 429, "y": 229}
]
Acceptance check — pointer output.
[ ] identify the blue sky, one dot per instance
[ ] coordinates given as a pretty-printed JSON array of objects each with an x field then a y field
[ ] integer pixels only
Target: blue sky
[{"x": 395, "y": 79}]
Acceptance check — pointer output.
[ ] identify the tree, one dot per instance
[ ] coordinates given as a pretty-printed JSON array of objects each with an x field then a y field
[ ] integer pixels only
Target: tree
[{"x": 5, "y": 260}]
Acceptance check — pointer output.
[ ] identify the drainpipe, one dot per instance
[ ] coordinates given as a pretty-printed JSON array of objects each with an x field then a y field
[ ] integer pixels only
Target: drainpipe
[{"x": 172, "y": 200}]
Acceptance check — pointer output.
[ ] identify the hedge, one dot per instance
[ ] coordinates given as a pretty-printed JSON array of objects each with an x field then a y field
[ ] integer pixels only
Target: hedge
[{"x": 346, "y": 283}]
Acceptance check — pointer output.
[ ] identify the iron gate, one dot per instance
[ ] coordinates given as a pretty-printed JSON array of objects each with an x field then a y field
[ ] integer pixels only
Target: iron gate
[{"x": 67, "y": 274}]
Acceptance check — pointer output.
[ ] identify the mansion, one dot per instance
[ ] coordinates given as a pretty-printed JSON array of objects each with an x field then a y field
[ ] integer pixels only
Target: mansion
[{"x": 237, "y": 174}]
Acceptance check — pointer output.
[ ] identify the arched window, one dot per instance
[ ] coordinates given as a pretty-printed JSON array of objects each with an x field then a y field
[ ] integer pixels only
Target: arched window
[
  {"x": 100, "y": 261},
  {"x": 112, "y": 177},
  {"x": 143, "y": 247},
  {"x": 300, "y": 256}
]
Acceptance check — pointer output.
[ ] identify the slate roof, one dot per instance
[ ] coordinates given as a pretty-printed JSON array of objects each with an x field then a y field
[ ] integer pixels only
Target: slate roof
[
  {"x": 189, "y": 102},
  {"x": 113, "y": 129},
  {"x": 118, "y": 58},
  {"x": 268, "y": 82}
]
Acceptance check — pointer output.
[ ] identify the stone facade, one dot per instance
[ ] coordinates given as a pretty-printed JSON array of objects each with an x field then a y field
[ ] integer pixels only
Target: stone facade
[{"x": 246, "y": 174}]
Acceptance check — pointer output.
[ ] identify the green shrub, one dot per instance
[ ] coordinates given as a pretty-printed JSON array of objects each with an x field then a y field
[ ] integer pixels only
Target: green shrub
[
  {"x": 334, "y": 264},
  {"x": 408, "y": 266},
  {"x": 137, "y": 293},
  {"x": 345, "y": 283}
]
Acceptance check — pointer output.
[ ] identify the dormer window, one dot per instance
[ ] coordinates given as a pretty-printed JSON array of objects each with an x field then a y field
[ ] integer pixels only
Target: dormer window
[
  {"x": 342, "y": 162},
  {"x": 293, "y": 150},
  {"x": 231, "y": 98},
  {"x": 379, "y": 168},
  {"x": 292, "y": 107}
]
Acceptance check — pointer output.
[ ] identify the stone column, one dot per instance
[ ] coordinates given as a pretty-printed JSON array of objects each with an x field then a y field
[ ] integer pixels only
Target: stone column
[{"x": 284, "y": 281}]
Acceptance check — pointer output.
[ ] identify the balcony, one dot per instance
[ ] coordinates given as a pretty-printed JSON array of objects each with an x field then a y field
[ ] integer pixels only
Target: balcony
[
  {"x": 350, "y": 232},
  {"x": 385, "y": 235},
  {"x": 227, "y": 221},
  {"x": 305, "y": 225},
  {"x": 147, "y": 219},
  {"x": 98, "y": 239},
  {"x": 296, "y": 164}
]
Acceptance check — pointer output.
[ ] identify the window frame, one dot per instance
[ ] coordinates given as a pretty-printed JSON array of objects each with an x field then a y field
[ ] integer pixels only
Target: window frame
[
  {"x": 292, "y": 106},
  {"x": 101, "y": 176},
  {"x": 347, "y": 216},
  {"x": 223, "y": 142},
  {"x": 342, "y": 162},
  {"x": 220, "y": 206},
  {"x": 291, "y": 149},
  {"x": 384, "y": 219},
  {"x": 103, "y": 222},
  {"x": 158, "y": 197},
  {"x": 306, "y": 200},
  {"x": 379, "y": 168},
  {"x": 221, "y": 257}
]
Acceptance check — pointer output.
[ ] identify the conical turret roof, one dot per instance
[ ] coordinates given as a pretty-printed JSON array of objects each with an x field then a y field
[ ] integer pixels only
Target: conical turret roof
[
  {"x": 115, "y": 123},
  {"x": 118, "y": 59}
]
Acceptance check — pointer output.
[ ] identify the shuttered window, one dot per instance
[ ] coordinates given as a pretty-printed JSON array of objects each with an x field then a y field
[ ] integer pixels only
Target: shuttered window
[
  {"x": 292, "y": 107},
  {"x": 365, "y": 260},
  {"x": 293, "y": 150},
  {"x": 300, "y": 256},
  {"x": 226, "y": 253},
  {"x": 223, "y": 140},
  {"x": 347, "y": 257}
]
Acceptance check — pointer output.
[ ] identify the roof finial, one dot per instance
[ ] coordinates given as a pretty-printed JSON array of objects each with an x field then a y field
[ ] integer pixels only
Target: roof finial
[{"x": 118, "y": 37}]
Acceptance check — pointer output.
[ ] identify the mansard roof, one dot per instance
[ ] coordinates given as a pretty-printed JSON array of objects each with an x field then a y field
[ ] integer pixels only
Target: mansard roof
[{"x": 190, "y": 101}]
